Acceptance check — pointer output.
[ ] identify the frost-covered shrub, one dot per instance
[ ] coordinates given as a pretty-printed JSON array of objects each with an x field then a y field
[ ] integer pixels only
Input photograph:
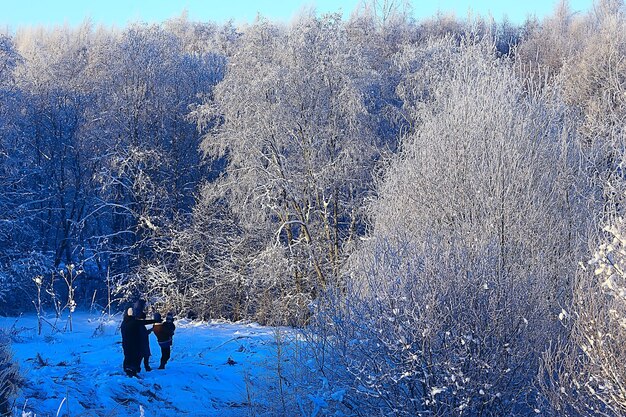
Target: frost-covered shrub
[
  {"x": 17, "y": 291},
  {"x": 430, "y": 331},
  {"x": 455, "y": 294},
  {"x": 10, "y": 379},
  {"x": 216, "y": 270},
  {"x": 587, "y": 375},
  {"x": 605, "y": 335},
  {"x": 594, "y": 88}
]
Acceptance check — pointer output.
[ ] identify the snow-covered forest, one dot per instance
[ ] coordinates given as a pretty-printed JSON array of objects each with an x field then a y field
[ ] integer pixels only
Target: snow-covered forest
[{"x": 435, "y": 206}]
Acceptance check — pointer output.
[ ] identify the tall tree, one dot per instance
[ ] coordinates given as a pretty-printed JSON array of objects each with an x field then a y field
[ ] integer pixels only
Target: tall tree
[
  {"x": 54, "y": 79},
  {"x": 151, "y": 167},
  {"x": 299, "y": 148}
]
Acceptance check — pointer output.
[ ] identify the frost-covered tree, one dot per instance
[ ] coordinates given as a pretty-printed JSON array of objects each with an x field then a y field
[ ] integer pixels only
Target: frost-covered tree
[
  {"x": 20, "y": 256},
  {"x": 454, "y": 295},
  {"x": 98, "y": 152},
  {"x": 197, "y": 273},
  {"x": 595, "y": 89},
  {"x": 56, "y": 163},
  {"x": 11, "y": 161},
  {"x": 549, "y": 44},
  {"x": 150, "y": 163},
  {"x": 299, "y": 149},
  {"x": 378, "y": 40}
]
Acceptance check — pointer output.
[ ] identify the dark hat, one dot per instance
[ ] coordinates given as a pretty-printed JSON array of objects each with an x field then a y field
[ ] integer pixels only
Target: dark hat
[
  {"x": 139, "y": 306},
  {"x": 169, "y": 317},
  {"x": 157, "y": 316}
]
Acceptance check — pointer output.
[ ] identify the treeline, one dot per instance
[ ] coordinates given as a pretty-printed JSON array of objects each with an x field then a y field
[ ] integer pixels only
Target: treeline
[
  {"x": 100, "y": 160},
  {"x": 423, "y": 195}
]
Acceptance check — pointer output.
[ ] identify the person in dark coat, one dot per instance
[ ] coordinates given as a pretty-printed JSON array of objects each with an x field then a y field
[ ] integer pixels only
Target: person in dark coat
[
  {"x": 165, "y": 334},
  {"x": 135, "y": 339},
  {"x": 130, "y": 343},
  {"x": 144, "y": 334}
]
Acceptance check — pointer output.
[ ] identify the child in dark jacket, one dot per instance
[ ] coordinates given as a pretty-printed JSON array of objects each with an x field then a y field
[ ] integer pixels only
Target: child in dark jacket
[{"x": 164, "y": 333}]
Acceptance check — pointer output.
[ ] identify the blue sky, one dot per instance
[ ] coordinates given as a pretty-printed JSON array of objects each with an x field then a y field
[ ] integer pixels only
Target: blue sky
[{"x": 15, "y": 13}]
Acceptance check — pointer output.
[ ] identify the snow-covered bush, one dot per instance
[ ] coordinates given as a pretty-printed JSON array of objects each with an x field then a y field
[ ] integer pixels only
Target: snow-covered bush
[
  {"x": 197, "y": 273},
  {"x": 594, "y": 82},
  {"x": 584, "y": 374},
  {"x": 17, "y": 291},
  {"x": 430, "y": 331},
  {"x": 588, "y": 374},
  {"x": 10, "y": 379},
  {"x": 454, "y": 295}
]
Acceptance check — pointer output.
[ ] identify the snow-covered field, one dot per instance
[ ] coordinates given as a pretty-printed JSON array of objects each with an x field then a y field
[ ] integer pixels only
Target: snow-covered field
[{"x": 216, "y": 369}]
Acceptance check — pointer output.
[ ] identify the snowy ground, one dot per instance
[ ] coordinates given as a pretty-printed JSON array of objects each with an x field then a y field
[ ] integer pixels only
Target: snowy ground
[{"x": 79, "y": 373}]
